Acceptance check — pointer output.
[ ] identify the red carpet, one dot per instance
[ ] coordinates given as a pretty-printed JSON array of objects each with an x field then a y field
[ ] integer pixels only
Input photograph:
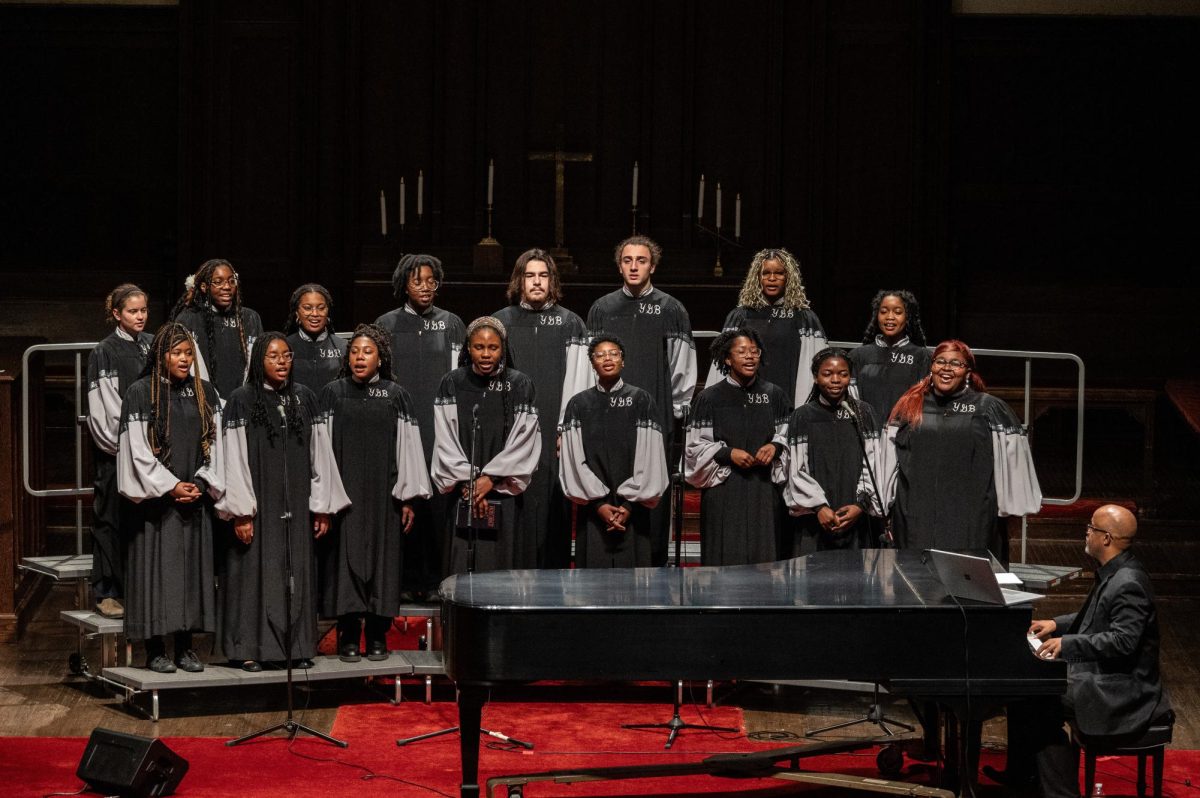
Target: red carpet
[{"x": 566, "y": 736}]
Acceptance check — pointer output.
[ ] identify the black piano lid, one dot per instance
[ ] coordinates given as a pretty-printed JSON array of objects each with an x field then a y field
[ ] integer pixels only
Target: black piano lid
[{"x": 869, "y": 578}]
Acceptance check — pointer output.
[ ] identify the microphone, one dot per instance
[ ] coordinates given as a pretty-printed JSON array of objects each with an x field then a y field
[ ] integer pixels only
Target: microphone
[{"x": 846, "y": 403}]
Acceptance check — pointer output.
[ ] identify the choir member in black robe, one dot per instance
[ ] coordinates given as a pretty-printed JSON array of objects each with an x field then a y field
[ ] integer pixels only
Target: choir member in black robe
[
  {"x": 957, "y": 459},
  {"x": 224, "y": 331},
  {"x": 774, "y": 304},
  {"x": 830, "y": 484},
  {"x": 500, "y": 458},
  {"x": 426, "y": 343},
  {"x": 893, "y": 356},
  {"x": 170, "y": 466},
  {"x": 734, "y": 442},
  {"x": 613, "y": 463},
  {"x": 660, "y": 354},
  {"x": 549, "y": 343},
  {"x": 281, "y": 487},
  {"x": 377, "y": 445},
  {"x": 319, "y": 352},
  {"x": 113, "y": 366}
]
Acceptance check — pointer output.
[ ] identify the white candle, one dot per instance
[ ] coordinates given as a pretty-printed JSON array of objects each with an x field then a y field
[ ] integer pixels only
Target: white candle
[
  {"x": 737, "y": 217},
  {"x": 382, "y": 213},
  {"x": 403, "y": 191},
  {"x": 635, "y": 176},
  {"x": 491, "y": 179},
  {"x": 420, "y": 194},
  {"x": 700, "y": 202},
  {"x": 718, "y": 206}
]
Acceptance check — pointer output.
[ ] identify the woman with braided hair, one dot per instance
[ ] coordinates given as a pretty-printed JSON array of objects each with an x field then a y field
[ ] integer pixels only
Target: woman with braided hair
[
  {"x": 170, "y": 465},
  {"x": 486, "y": 395},
  {"x": 282, "y": 486},
  {"x": 114, "y": 365},
  {"x": 426, "y": 342},
  {"x": 224, "y": 331},
  {"x": 893, "y": 356},
  {"x": 773, "y": 303},
  {"x": 369, "y": 420},
  {"x": 309, "y": 329}
]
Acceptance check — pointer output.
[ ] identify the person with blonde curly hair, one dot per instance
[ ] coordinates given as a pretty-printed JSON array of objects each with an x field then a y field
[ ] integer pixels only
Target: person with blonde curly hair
[{"x": 774, "y": 304}]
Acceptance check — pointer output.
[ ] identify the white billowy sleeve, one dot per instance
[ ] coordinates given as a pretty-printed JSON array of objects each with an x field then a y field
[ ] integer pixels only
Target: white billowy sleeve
[
  {"x": 239, "y": 500},
  {"x": 140, "y": 475},
  {"x": 412, "y": 480},
  {"x": 104, "y": 411},
  {"x": 703, "y": 455},
  {"x": 516, "y": 462},
  {"x": 450, "y": 464},
  {"x": 865, "y": 491},
  {"x": 681, "y": 354},
  {"x": 855, "y": 394},
  {"x": 198, "y": 364},
  {"x": 802, "y": 493},
  {"x": 213, "y": 474},
  {"x": 649, "y": 479},
  {"x": 326, "y": 494},
  {"x": 579, "y": 483},
  {"x": 887, "y": 469},
  {"x": 579, "y": 374},
  {"x": 1017, "y": 488},
  {"x": 455, "y": 350},
  {"x": 811, "y": 342}
]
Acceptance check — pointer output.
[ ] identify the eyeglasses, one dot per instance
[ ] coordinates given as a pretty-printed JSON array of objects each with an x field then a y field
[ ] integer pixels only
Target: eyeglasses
[
  {"x": 942, "y": 363},
  {"x": 752, "y": 352},
  {"x": 1100, "y": 531},
  {"x": 221, "y": 282},
  {"x": 313, "y": 308},
  {"x": 608, "y": 354},
  {"x": 286, "y": 357},
  {"x": 428, "y": 282}
]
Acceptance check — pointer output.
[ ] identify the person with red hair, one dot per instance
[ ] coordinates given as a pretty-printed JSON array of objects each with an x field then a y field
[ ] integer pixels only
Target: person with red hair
[{"x": 958, "y": 459}]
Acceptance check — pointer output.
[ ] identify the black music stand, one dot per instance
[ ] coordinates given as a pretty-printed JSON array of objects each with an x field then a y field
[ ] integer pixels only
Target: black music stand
[
  {"x": 289, "y": 725},
  {"x": 472, "y": 537},
  {"x": 677, "y": 724}
]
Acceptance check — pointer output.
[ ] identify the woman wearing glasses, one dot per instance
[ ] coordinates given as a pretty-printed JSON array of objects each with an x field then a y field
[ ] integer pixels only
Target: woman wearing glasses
[
  {"x": 613, "y": 464},
  {"x": 224, "y": 331},
  {"x": 281, "y": 487},
  {"x": 309, "y": 329},
  {"x": 773, "y": 304},
  {"x": 959, "y": 459},
  {"x": 426, "y": 342},
  {"x": 734, "y": 441}
]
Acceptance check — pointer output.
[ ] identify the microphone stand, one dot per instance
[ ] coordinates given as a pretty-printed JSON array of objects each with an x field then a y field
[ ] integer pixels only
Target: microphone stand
[
  {"x": 472, "y": 536},
  {"x": 290, "y": 725},
  {"x": 677, "y": 724},
  {"x": 875, "y": 712}
]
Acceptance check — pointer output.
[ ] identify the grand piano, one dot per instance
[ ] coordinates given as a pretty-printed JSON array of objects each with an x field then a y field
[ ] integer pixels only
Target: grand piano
[{"x": 877, "y": 615}]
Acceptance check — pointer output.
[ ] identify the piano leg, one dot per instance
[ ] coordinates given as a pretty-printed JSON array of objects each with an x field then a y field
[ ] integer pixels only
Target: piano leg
[{"x": 470, "y": 713}]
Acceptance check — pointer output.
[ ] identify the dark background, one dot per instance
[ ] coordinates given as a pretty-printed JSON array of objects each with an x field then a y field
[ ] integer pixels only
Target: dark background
[{"x": 1032, "y": 179}]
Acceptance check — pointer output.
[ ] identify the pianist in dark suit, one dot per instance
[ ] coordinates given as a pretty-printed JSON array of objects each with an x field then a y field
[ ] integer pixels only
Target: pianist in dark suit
[{"x": 1111, "y": 645}]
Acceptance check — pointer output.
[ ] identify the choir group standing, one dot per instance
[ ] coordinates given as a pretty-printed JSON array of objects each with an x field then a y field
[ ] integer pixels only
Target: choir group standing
[{"x": 358, "y": 470}]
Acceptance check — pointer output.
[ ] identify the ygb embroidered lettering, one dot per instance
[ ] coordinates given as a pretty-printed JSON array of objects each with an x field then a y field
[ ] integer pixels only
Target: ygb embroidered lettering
[
  {"x": 229, "y": 321},
  {"x": 782, "y": 313},
  {"x": 378, "y": 393},
  {"x": 650, "y": 308},
  {"x": 901, "y": 358},
  {"x": 433, "y": 324},
  {"x": 550, "y": 321},
  {"x": 758, "y": 399},
  {"x": 960, "y": 407},
  {"x": 620, "y": 401},
  {"x": 499, "y": 385},
  {"x": 328, "y": 353}
]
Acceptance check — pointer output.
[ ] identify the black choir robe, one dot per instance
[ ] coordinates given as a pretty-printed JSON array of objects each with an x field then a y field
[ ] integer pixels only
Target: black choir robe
[
  {"x": 660, "y": 358},
  {"x": 550, "y": 345},
  {"x": 507, "y": 449},
  {"x": 221, "y": 361},
  {"x": 114, "y": 365},
  {"x": 170, "y": 585},
  {"x": 740, "y": 509},
  {"x": 951, "y": 477},
  {"x": 790, "y": 338},
  {"x": 613, "y": 453},
  {"x": 377, "y": 446},
  {"x": 882, "y": 373},
  {"x": 316, "y": 361},
  {"x": 268, "y": 477},
  {"x": 424, "y": 349},
  {"x": 826, "y": 466}
]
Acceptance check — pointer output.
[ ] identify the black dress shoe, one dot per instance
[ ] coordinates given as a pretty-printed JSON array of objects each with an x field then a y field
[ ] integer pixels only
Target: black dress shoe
[
  {"x": 160, "y": 664},
  {"x": 189, "y": 662},
  {"x": 1008, "y": 778},
  {"x": 249, "y": 665},
  {"x": 349, "y": 653},
  {"x": 377, "y": 650},
  {"x": 304, "y": 663}
]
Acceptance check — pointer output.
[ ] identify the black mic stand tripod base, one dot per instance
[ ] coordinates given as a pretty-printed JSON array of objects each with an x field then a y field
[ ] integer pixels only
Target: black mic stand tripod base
[{"x": 676, "y": 724}]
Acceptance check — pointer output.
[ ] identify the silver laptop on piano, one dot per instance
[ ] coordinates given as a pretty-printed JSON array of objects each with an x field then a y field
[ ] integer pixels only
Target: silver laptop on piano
[{"x": 968, "y": 577}]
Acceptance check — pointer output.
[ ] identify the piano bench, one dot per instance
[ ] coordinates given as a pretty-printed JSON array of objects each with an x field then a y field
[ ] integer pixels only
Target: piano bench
[{"x": 1152, "y": 743}]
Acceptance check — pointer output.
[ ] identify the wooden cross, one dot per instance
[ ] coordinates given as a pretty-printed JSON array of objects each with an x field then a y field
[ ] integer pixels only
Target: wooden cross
[{"x": 560, "y": 159}]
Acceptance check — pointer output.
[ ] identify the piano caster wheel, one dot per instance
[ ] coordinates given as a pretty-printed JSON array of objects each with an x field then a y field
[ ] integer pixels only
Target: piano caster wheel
[
  {"x": 515, "y": 791},
  {"x": 890, "y": 761}
]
